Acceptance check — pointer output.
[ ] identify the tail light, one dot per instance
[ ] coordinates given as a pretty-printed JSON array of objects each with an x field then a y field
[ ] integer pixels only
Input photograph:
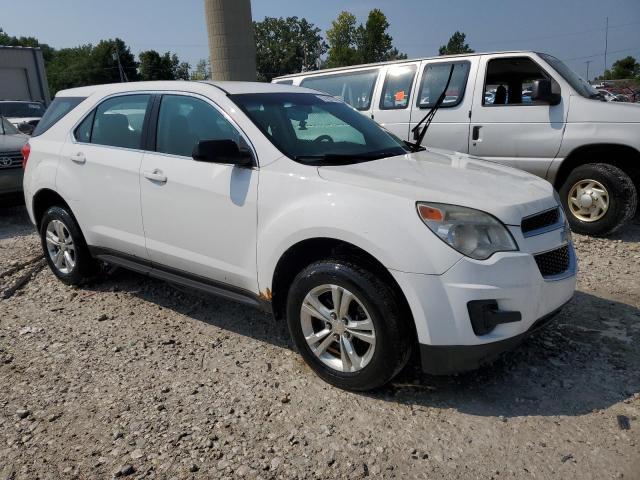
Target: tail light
[{"x": 26, "y": 150}]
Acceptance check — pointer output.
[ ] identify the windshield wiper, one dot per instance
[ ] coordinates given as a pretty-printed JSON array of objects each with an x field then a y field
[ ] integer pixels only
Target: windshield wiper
[{"x": 420, "y": 130}]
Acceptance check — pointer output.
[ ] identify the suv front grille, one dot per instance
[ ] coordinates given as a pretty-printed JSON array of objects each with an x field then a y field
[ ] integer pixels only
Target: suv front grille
[
  {"x": 539, "y": 221},
  {"x": 554, "y": 262},
  {"x": 10, "y": 160}
]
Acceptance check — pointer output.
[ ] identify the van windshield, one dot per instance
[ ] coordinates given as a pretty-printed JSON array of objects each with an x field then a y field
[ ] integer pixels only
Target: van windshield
[
  {"x": 579, "y": 84},
  {"x": 317, "y": 129},
  {"x": 21, "y": 109}
]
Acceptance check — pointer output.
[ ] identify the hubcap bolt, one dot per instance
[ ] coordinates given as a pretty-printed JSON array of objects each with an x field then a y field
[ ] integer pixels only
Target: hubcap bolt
[
  {"x": 327, "y": 326},
  {"x": 333, "y": 316}
]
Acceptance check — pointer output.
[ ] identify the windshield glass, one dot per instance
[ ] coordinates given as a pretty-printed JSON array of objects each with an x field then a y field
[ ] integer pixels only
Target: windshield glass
[
  {"x": 579, "y": 84},
  {"x": 7, "y": 127},
  {"x": 21, "y": 109},
  {"x": 315, "y": 128}
]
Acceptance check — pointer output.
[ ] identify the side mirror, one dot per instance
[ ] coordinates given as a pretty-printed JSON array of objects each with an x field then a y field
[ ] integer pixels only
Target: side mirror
[
  {"x": 222, "y": 151},
  {"x": 541, "y": 92}
]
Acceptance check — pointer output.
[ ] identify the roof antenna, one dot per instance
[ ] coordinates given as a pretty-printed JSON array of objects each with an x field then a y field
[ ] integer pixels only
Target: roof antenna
[{"x": 420, "y": 130}]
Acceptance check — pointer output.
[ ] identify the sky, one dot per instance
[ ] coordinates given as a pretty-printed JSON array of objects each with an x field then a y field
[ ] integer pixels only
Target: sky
[{"x": 572, "y": 30}]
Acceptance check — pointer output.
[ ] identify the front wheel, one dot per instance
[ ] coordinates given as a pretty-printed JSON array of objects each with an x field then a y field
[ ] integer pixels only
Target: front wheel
[
  {"x": 598, "y": 198},
  {"x": 348, "y": 325}
]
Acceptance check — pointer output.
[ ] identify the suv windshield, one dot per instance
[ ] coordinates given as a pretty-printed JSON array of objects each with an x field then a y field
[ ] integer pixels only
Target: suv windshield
[
  {"x": 318, "y": 129},
  {"x": 21, "y": 109},
  {"x": 576, "y": 81}
]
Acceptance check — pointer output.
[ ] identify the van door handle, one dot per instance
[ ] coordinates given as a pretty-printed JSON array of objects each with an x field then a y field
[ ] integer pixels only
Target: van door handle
[
  {"x": 476, "y": 132},
  {"x": 155, "y": 176},
  {"x": 78, "y": 158}
]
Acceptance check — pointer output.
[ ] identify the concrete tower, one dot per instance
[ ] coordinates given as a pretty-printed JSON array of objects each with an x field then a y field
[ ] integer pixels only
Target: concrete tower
[{"x": 231, "y": 43}]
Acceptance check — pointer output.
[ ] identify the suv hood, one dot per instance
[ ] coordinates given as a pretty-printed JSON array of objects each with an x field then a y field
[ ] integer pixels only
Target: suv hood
[
  {"x": 12, "y": 143},
  {"x": 454, "y": 178}
]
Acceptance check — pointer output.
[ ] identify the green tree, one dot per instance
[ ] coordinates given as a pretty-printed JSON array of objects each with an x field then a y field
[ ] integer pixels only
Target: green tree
[
  {"x": 456, "y": 45},
  {"x": 369, "y": 43},
  {"x": 104, "y": 62},
  {"x": 341, "y": 38},
  {"x": 153, "y": 66},
  {"x": 286, "y": 45},
  {"x": 625, "y": 68},
  {"x": 373, "y": 43},
  {"x": 202, "y": 71}
]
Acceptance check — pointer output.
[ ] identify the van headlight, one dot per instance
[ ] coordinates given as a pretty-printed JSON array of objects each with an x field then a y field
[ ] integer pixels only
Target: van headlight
[{"x": 471, "y": 232}]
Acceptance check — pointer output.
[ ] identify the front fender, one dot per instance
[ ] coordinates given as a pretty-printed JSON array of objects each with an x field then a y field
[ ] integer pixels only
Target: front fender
[{"x": 296, "y": 204}]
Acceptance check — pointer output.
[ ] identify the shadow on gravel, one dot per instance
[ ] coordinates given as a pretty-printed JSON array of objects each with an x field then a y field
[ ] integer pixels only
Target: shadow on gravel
[
  {"x": 588, "y": 359},
  {"x": 629, "y": 233},
  {"x": 14, "y": 222}
]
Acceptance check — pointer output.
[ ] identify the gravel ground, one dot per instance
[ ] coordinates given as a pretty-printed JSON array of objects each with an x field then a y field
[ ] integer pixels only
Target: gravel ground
[{"x": 132, "y": 377}]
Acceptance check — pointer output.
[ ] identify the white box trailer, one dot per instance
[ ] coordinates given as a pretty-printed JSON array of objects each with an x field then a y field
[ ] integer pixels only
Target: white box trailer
[{"x": 22, "y": 75}]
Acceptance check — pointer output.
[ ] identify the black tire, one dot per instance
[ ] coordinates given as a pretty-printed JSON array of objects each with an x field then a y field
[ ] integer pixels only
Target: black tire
[
  {"x": 622, "y": 193},
  {"x": 391, "y": 322},
  {"x": 85, "y": 266}
]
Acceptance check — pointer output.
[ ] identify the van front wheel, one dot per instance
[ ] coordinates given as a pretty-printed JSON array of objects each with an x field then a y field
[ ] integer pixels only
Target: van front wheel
[{"x": 598, "y": 199}]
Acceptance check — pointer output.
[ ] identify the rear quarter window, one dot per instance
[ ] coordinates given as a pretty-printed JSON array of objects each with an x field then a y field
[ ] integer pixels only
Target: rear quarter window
[{"x": 56, "y": 111}]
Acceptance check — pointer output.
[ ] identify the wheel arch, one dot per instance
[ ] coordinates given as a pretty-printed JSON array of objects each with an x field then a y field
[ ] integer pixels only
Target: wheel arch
[
  {"x": 305, "y": 252},
  {"x": 624, "y": 157},
  {"x": 45, "y": 198}
]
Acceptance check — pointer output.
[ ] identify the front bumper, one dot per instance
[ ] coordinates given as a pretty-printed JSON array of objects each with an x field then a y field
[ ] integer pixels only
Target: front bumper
[
  {"x": 449, "y": 359},
  {"x": 440, "y": 307}
]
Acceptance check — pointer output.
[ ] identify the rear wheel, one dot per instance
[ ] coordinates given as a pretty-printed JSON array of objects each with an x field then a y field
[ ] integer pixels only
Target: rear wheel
[
  {"x": 348, "y": 325},
  {"x": 598, "y": 198},
  {"x": 64, "y": 247}
]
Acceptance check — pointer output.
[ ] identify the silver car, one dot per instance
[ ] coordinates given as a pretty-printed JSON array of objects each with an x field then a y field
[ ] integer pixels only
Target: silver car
[{"x": 11, "y": 141}]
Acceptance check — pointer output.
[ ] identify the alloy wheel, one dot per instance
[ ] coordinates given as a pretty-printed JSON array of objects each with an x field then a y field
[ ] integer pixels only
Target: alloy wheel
[
  {"x": 60, "y": 246},
  {"x": 338, "y": 328}
]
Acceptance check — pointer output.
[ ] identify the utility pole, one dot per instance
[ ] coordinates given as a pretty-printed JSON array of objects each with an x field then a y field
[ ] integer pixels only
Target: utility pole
[
  {"x": 116, "y": 57},
  {"x": 588, "y": 62},
  {"x": 606, "y": 46}
]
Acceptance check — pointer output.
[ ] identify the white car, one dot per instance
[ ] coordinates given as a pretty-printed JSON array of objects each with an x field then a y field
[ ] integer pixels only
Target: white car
[
  {"x": 288, "y": 199},
  {"x": 524, "y": 109}
]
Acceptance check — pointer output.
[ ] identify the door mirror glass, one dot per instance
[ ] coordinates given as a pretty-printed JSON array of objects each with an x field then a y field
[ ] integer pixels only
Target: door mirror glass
[
  {"x": 222, "y": 151},
  {"x": 541, "y": 92}
]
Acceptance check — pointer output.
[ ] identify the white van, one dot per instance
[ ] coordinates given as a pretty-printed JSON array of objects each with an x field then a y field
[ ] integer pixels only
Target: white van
[{"x": 523, "y": 109}]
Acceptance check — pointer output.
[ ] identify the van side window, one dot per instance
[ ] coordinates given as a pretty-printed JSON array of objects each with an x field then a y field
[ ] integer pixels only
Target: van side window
[
  {"x": 434, "y": 79},
  {"x": 184, "y": 121},
  {"x": 509, "y": 80},
  {"x": 397, "y": 87},
  {"x": 118, "y": 121},
  {"x": 355, "y": 88}
]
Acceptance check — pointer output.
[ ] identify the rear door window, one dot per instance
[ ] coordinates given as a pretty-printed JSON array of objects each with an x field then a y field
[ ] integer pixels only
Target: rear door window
[
  {"x": 434, "y": 79},
  {"x": 397, "y": 87},
  {"x": 118, "y": 122},
  {"x": 354, "y": 88},
  {"x": 58, "y": 109}
]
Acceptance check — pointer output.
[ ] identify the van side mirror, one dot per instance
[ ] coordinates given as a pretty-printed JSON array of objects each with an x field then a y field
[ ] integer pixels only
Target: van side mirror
[
  {"x": 222, "y": 151},
  {"x": 541, "y": 92}
]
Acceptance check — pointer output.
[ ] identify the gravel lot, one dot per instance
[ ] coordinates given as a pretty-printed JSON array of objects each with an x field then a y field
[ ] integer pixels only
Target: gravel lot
[{"x": 132, "y": 377}]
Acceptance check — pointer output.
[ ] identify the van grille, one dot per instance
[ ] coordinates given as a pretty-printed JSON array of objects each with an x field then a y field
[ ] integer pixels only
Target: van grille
[
  {"x": 554, "y": 262},
  {"x": 540, "y": 221},
  {"x": 10, "y": 160}
]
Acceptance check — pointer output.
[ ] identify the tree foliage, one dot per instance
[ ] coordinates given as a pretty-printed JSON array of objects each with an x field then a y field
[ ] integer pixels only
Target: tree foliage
[
  {"x": 351, "y": 44},
  {"x": 286, "y": 45},
  {"x": 202, "y": 70},
  {"x": 167, "y": 66},
  {"x": 456, "y": 45},
  {"x": 625, "y": 68}
]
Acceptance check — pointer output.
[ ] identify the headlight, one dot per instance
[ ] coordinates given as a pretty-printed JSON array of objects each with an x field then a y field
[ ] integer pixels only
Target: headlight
[{"x": 471, "y": 232}]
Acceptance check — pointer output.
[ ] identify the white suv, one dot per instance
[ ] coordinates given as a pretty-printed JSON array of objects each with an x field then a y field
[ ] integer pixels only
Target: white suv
[{"x": 288, "y": 199}]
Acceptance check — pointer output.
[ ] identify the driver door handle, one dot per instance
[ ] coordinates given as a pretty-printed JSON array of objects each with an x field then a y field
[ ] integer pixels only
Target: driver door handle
[
  {"x": 155, "y": 176},
  {"x": 476, "y": 133},
  {"x": 78, "y": 158}
]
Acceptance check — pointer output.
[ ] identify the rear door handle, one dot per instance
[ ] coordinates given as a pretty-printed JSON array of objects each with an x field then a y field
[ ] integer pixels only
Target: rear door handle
[
  {"x": 155, "y": 176},
  {"x": 476, "y": 133},
  {"x": 78, "y": 158}
]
